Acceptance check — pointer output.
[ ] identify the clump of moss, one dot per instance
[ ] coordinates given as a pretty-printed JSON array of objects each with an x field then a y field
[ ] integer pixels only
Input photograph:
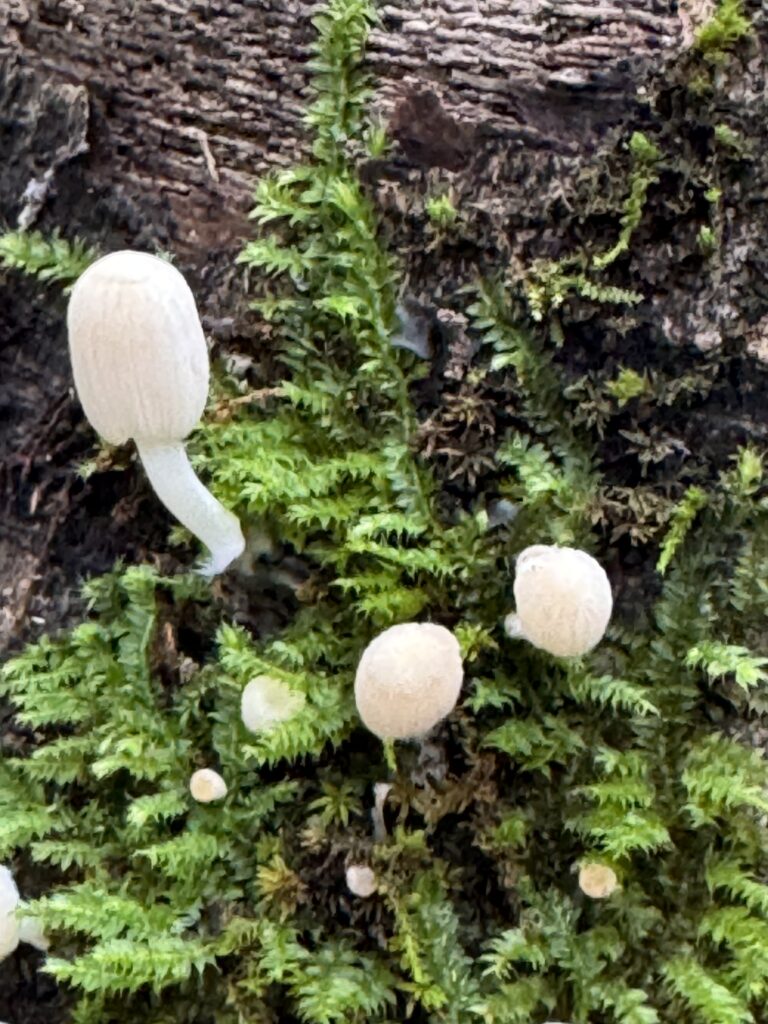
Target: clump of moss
[
  {"x": 441, "y": 211},
  {"x": 727, "y": 26}
]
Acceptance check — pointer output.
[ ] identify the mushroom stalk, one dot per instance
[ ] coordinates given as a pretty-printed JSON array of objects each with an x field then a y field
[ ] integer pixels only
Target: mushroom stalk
[{"x": 182, "y": 493}]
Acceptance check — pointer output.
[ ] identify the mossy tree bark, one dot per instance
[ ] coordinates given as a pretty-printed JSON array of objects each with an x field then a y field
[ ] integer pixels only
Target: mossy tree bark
[
  {"x": 179, "y": 107},
  {"x": 146, "y": 124}
]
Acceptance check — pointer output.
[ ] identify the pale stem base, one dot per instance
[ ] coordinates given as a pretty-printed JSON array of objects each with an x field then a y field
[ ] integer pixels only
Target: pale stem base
[{"x": 179, "y": 489}]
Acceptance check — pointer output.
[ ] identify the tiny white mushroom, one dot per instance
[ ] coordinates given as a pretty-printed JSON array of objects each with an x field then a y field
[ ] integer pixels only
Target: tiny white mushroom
[
  {"x": 141, "y": 371},
  {"x": 266, "y": 702},
  {"x": 14, "y": 927},
  {"x": 9, "y": 924},
  {"x": 361, "y": 880},
  {"x": 563, "y": 600},
  {"x": 206, "y": 785},
  {"x": 597, "y": 881},
  {"x": 408, "y": 679}
]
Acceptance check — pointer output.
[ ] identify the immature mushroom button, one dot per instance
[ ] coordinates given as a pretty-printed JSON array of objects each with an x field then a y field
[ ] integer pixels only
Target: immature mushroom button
[
  {"x": 563, "y": 600},
  {"x": 141, "y": 371},
  {"x": 15, "y": 928},
  {"x": 408, "y": 679},
  {"x": 9, "y": 924},
  {"x": 31, "y": 932},
  {"x": 265, "y": 702},
  {"x": 597, "y": 881},
  {"x": 206, "y": 785},
  {"x": 361, "y": 880}
]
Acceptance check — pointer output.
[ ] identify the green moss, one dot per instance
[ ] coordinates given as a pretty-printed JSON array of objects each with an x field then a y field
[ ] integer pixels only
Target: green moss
[
  {"x": 707, "y": 240},
  {"x": 727, "y": 137},
  {"x": 549, "y": 283},
  {"x": 441, "y": 211},
  {"x": 727, "y": 26},
  {"x": 50, "y": 259},
  {"x": 645, "y": 158},
  {"x": 628, "y": 385}
]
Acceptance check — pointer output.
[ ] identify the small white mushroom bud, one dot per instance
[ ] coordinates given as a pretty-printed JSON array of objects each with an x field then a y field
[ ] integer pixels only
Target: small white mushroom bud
[
  {"x": 141, "y": 370},
  {"x": 563, "y": 600},
  {"x": 9, "y": 924},
  {"x": 206, "y": 785},
  {"x": 266, "y": 702},
  {"x": 408, "y": 679},
  {"x": 597, "y": 881},
  {"x": 361, "y": 881}
]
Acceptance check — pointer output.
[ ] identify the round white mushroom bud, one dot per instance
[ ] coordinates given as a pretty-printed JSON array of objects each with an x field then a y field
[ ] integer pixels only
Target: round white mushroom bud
[
  {"x": 206, "y": 785},
  {"x": 361, "y": 881},
  {"x": 563, "y": 600},
  {"x": 597, "y": 881},
  {"x": 140, "y": 365},
  {"x": 267, "y": 701},
  {"x": 9, "y": 924},
  {"x": 408, "y": 679}
]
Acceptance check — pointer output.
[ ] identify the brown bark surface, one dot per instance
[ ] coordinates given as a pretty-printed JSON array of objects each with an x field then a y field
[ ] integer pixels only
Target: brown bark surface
[{"x": 182, "y": 104}]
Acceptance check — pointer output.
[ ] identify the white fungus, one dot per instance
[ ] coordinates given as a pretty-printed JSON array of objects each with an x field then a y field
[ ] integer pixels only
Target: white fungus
[
  {"x": 9, "y": 923},
  {"x": 361, "y": 880},
  {"x": 15, "y": 928},
  {"x": 563, "y": 600},
  {"x": 597, "y": 881},
  {"x": 141, "y": 370},
  {"x": 206, "y": 785},
  {"x": 266, "y": 702},
  {"x": 408, "y": 679}
]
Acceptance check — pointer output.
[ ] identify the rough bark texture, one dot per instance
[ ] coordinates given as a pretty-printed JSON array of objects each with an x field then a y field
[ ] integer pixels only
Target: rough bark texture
[
  {"x": 183, "y": 104},
  {"x": 499, "y": 63}
]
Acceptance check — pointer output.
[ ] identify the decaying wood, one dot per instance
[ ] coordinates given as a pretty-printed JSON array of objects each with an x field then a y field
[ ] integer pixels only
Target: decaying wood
[
  {"x": 189, "y": 101},
  {"x": 498, "y": 63}
]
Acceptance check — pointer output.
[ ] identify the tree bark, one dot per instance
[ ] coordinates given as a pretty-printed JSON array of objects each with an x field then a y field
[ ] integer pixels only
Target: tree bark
[{"x": 180, "y": 105}]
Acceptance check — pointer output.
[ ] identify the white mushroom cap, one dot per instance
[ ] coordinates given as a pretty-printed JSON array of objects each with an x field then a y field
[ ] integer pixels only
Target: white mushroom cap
[
  {"x": 206, "y": 785},
  {"x": 138, "y": 351},
  {"x": 9, "y": 924},
  {"x": 408, "y": 679},
  {"x": 597, "y": 881},
  {"x": 563, "y": 600},
  {"x": 361, "y": 880},
  {"x": 267, "y": 701}
]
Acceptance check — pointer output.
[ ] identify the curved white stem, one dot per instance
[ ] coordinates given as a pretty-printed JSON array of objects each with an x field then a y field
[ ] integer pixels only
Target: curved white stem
[{"x": 176, "y": 485}]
